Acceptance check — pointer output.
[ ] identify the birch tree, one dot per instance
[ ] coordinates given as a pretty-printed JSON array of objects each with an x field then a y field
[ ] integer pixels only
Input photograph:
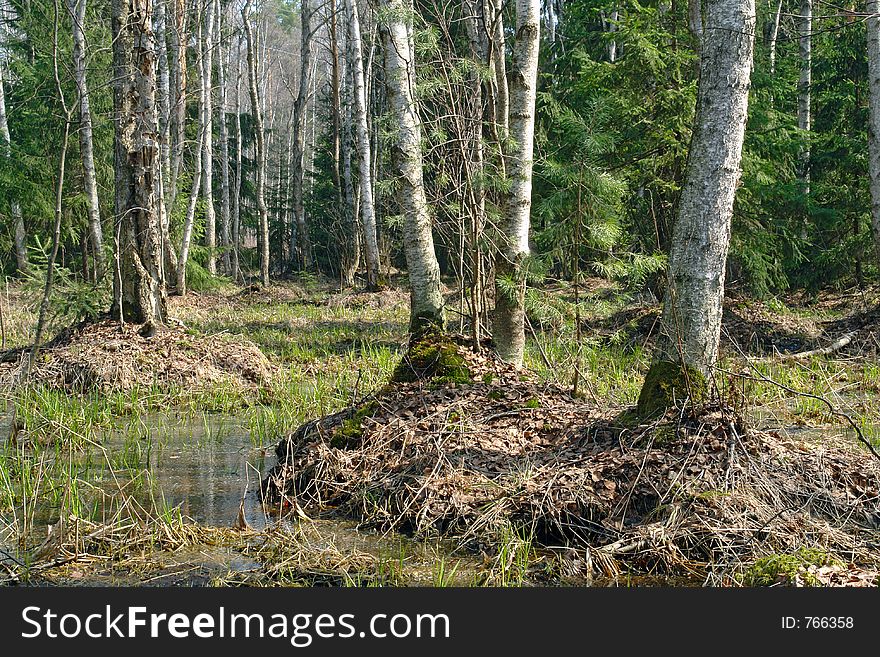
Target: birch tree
[
  {"x": 141, "y": 286},
  {"x": 508, "y": 327},
  {"x": 257, "y": 114},
  {"x": 690, "y": 330},
  {"x": 299, "y": 124},
  {"x": 198, "y": 154},
  {"x": 207, "y": 129},
  {"x": 19, "y": 235},
  {"x": 426, "y": 298},
  {"x": 873, "y": 30},
  {"x": 805, "y": 81},
  {"x": 222, "y": 68},
  {"x": 362, "y": 137},
  {"x": 77, "y": 11}
]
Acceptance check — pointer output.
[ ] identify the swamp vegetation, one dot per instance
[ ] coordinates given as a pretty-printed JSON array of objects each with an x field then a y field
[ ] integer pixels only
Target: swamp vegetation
[{"x": 156, "y": 481}]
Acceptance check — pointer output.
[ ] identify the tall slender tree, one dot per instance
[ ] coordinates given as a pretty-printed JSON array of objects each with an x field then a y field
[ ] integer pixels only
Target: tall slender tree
[
  {"x": 508, "y": 327},
  {"x": 77, "y": 11},
  {"x": 362, "y": 136},
  {"x": 426, "y": 298},
  {"x": 690, "y": 326}
]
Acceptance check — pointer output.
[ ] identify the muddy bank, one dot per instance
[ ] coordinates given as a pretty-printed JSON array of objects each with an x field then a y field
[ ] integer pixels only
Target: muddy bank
[{"x": 695, "y": 493}]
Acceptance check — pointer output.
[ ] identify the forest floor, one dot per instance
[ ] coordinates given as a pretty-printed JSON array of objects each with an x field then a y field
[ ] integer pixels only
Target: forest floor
[{"x": 507, "y": 478}]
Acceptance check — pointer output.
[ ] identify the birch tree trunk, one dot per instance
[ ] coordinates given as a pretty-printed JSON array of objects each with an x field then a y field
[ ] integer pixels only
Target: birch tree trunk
[
  {"x": 873, "y": 28},
  {"x": 426, "y": 298},
  {"x": 142, "y": 293},
  {"x": 773, "y": 36},
  {"x": 804, "y": 114},
  {"x": 222, "y": 65},
  {"x": 208, "y": 138},
  {"x": 508, "y": 327},
  {"x": 350, "y": 198},
  {"x": 299, "y": 121},
  {"x": 169, "y": 262},
  {"x": 499, "y": 66},
  {"x": 687, "y": 346},
  {"x": 198, "y": 151},
  {"x": 19, "y": 235},
  {"x": 257, "y": 112},
  {"x": 77, "y": 10},
  {"x": 178, "y": 111},
  {"x": 236, "y": 197},
  {"x": 362, "y": 136}
]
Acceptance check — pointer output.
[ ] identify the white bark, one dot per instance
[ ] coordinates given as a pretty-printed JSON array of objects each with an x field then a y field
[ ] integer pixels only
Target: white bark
[
  {"x": 178, "y": 110},
  {"x": 691, "y": 320},
  {"x": 236, "y": 196},
  {"x": 873, "y": 27},
  {"x": 208, "y": 138},
  {"x": 804, "y": 114},
  {"x": 426, "y": 298},
  {"x": 362, "y": 135},
  {"x": 19, "y": 235},
  {"x": 77, "y": 10},
  {"x": 299, "y": 125},
  {"x": 198, "y": 153},
  {"x": 222, "y": 65},
  {"x": 773, "y": 36},
  {"x": 257, "y": 112},
  {"x": 501, "y": 93},
  {"x": 509, "y": 321}
]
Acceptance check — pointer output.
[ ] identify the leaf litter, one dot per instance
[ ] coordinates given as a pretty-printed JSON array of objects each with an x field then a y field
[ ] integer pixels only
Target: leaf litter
[{"x": 694, "y": 493}]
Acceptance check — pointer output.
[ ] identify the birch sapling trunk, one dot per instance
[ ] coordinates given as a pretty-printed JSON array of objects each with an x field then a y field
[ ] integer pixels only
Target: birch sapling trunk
[
  {"x": 873, "y": 28},
  {"x": 77, "y": 11},
  {"x": 164, "y": 115},
  {"x": 208, "y": 138},
  {"x": 257, "y": 112},
  {"x": 222, "y": 68},
  {"x": 690, "y": 326},
  {"x": 236, "y": 195},
  {"x": 299, "y": 125},
  {"x": 773, "y": 36},
  {"x": 508, "y": 327},
  {"x": 362, "y": 137},
  {"x": 426, "y": 298},
  {"x": 178, "y": 110},
  {"x": 19, "y": 235},
  {"x": 805, "y": 81},
  {"x": 142, "y": 291},
  {"x": 499, "y": 65},
  {"x": 198, "y": 151}
]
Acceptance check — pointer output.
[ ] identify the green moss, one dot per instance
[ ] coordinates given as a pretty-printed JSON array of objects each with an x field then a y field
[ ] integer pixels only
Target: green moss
[
  {"x": 668, "y": 384},
  {"x": 784, "y": 568},
  {"x": 488, "y": 377},
  {"x": 349, "y": 433},
  {"x": 533, "y": 403},
  {"x": 434, "y": 357},
  {"x": 495, "y": 395}
]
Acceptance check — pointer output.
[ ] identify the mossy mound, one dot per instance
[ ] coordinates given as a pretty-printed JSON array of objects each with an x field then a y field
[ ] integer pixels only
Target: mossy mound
[
  {"x": 668, "y": 385},
  {"x": 432, "y": 356},
  {"x": 698, "y": 497},
  {"x": 796, "y": 568}
]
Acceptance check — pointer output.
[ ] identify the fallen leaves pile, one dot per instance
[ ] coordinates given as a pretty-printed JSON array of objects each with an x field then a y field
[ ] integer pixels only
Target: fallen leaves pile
[
  {"x": 104, "y": 357},
  {"x": 697, "y": 495}
]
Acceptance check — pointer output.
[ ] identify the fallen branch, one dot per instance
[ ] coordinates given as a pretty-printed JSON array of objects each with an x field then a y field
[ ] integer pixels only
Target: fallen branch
[{"x": 830, "y": 349}]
